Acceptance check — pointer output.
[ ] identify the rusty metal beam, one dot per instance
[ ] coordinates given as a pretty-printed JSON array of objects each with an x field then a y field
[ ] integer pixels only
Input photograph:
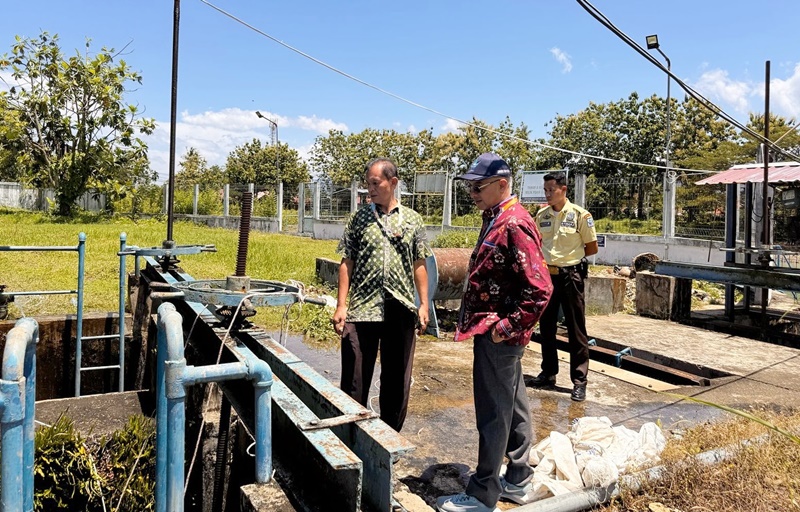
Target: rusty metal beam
[
  {"x": 331, "y": 472},
  {"x": 639, "y": 365},
  {"x": 304, "y": 396}
]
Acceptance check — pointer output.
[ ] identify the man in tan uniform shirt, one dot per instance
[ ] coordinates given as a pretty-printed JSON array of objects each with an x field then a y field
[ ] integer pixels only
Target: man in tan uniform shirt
[{"x": 568, "y": 236}]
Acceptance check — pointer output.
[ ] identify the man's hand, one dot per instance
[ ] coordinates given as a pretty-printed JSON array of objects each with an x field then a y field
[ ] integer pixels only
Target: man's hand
[
  {"x": 338, "y": 319},
  {"x": 495, "y": 336},
  {"x": 423, "y": 318}
]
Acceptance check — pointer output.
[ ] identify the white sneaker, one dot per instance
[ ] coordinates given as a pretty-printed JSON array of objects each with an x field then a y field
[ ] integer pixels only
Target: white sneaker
[
  {"x": 462, "y": 503},
  {"x": 520, "y": 494}
]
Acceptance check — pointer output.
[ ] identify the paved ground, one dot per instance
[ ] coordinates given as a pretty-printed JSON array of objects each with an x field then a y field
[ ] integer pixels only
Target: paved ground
[{"x": 441, "y": 415}]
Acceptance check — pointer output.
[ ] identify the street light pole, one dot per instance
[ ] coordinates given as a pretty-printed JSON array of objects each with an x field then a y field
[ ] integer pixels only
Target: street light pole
[
  {"x": 669, "y": 191},
  {"x": 275, "y": 142}
]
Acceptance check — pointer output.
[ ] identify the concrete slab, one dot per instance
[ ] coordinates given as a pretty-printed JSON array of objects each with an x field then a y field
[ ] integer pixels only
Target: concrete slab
[
  {"x": 732, "y": 354},
  {"x": 96, "y": 414},
  {"x": 441, "y": 421}
]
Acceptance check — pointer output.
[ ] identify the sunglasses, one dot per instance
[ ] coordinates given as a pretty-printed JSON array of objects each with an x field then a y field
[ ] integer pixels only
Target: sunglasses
[{"x": 477, "y": 189}]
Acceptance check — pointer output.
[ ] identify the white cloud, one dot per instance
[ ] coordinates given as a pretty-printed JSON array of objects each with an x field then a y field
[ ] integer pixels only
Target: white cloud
[
  {"x": 562, "y": 58},
  {"x": 7, "y": 81},
  {"x": 216, "y": 133},
  {"x": 411, "y": 129},
  {"x": 315, "y": 124},
  {"x": 718, "y": 86},
  {"x": 786, "y": 94},
  {"x": 451, "y": 125}
]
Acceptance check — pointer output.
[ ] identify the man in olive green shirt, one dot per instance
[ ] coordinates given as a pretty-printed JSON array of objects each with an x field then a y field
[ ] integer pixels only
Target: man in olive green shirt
[{"x": 384, "y": 247}]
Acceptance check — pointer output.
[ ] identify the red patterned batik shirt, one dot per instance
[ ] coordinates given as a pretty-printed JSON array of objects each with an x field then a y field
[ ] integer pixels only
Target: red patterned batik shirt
[{"x": 508, "y": 283}]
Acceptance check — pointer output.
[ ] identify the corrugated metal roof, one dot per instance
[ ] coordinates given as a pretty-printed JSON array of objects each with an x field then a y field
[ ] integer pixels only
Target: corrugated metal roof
[{"x": 779, "y": 172}]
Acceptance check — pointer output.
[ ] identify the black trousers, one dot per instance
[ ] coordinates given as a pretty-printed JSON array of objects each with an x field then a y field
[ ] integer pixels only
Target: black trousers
[
  {"x": 567, "y": 293},
  {"x": 396, "y": 338}
]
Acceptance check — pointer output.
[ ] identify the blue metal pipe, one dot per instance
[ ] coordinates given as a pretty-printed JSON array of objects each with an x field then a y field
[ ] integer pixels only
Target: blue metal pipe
[
  {"x": 18, "y": 393},
  {"x": 173, "y": 376},
  {"x": 213, "y": 373},
  {"x": 79, "y": 322},
  {"x": 261, "y": 375},
  {"x": 122, "y": 243},
  {"x": 169, "y": 324}
]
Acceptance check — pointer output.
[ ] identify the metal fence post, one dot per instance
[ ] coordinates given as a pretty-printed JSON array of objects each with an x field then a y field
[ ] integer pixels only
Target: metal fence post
[
  {"x": 195, "y": 198},
  {"x": 301, "y": 207},
  {"x": 279, "y": 210},
  {"x": 447, "y": 212},
  {"x": 316, "y": 200},
  {"x": 226, "y": 199},
  {"x": 668, "y": 215},
  {"x": 580, "y": 189},
  {"x": 353, "y": 196},
  {"x": 123, "y": 238}
]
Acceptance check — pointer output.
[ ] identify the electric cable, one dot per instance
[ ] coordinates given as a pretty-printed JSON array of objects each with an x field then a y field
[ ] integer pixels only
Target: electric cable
[
  {"x": 437, "y": 112},
  {"x": 599, "y": 16}
]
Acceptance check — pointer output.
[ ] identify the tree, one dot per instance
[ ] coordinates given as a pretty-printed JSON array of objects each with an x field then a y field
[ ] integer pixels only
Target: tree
[
  {"x": 195, "y": 171},
  {"x": 254, "y": 163},
  {"x": 77, "y": 132},
  {"x": 342, "y": 157}
]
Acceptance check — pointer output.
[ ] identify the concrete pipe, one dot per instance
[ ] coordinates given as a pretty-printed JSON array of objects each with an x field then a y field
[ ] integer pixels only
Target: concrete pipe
[{"x": 452, "y": 267}]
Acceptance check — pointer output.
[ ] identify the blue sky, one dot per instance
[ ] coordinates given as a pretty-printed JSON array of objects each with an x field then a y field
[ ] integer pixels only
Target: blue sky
[{"x": 530, "y": 60}]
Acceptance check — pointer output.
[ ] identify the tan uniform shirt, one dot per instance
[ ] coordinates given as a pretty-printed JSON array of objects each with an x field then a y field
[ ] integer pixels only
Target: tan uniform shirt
[{"x": 565, "y": 233}]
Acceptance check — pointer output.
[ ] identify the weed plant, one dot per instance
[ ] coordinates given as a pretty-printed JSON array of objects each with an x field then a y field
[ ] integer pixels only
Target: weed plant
[
  {"x": 758, "y": 475},
  {"x": 456, "y": 239},
  {"x": 65, "y": 476},
  {"x": 78, "y": 474}
]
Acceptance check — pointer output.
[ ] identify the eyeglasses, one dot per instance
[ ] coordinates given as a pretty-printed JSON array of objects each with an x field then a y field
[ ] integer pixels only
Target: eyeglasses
[{"x": 477, "y": 189}]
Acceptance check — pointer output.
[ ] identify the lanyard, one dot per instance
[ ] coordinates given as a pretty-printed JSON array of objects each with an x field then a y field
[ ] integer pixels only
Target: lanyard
[
  {"x": 511, "y": 202},
  {"x": 398, "y": 232}
]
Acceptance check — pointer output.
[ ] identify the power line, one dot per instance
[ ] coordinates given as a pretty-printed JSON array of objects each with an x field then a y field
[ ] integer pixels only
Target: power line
[
  {"x": 434, "y": 111},
  {"x": 599, "y": 16}
]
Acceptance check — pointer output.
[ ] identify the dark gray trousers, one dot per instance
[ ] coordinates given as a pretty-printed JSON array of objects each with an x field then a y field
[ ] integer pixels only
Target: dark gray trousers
[{"x": 502, "y": 414}]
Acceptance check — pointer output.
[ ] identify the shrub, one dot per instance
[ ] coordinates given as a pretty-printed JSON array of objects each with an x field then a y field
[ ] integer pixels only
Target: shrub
[{"x": 456, "y": 239}]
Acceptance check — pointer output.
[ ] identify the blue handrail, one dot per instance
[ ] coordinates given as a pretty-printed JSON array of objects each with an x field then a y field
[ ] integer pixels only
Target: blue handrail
[
  {"x": 81, "y": 250},
  {"x": 18, "y": 402}
]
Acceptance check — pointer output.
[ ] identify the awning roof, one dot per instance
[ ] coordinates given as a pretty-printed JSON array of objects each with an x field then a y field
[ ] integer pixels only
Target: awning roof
[{"x": 779, "y": 172}]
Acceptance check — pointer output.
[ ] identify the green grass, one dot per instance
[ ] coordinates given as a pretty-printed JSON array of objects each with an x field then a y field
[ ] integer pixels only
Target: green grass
[
  {"x": 275, "y": 257},
  {"x": 629, "y": 226}
]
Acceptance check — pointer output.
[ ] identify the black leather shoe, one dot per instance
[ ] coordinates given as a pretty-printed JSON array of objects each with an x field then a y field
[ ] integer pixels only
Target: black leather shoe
[
  {"x": 579, "y": 392},
  {"x": 542, "y": 381}
]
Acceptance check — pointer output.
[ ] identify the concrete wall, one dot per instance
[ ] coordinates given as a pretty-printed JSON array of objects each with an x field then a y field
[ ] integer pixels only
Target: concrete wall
[
  {"x": 55, "y": 354},
  {"x": 267, "y": 224},
  {"x": 621, "y": 249},
  {"x": 618, "y": 250}
]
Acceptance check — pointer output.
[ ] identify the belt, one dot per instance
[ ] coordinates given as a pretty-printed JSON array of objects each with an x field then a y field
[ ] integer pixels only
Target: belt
[{"x": 555, "y": 270}]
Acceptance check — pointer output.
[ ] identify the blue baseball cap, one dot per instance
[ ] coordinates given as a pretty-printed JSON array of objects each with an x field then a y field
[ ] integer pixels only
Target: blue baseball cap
[{"x": 486, "y": 166}]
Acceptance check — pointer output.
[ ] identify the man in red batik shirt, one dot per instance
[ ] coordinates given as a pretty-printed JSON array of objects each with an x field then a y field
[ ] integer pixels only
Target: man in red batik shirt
[{"x": 508, "y": 286}]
